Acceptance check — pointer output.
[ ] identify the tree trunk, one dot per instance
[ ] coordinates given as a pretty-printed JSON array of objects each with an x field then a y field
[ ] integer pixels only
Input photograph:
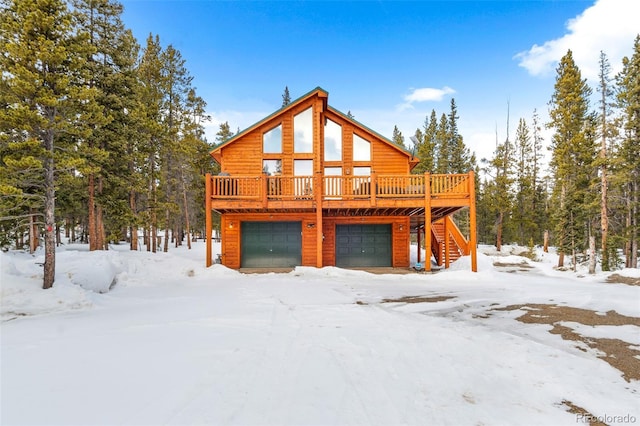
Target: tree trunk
[
  {"x": 100, "y": 234},
  {"x": 186, "y": 209},
  {"x": 592, "y": 254},
  {"x": 165, "y": 248},
  {"x": 546, "y": 241},
  {"x": 49, "y": 213},
  {"x": 634, "y": 225},
  {"x": 133, "y": 229},
  {"x": 499, "y": 232},
  {"x": 627, "y": 244},
  {"x": 604, "y": 219},
  {"x": 33, "y": 233},
  {"x": 91, "y": 219},
  {"x": 562, "y": 231}
]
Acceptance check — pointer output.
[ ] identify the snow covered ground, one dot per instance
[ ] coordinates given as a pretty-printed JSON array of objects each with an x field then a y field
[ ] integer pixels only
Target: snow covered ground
[{"x": 133, "y": 338}]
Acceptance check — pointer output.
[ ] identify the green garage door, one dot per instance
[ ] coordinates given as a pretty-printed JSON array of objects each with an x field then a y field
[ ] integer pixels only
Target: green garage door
[
  {"x": 363, "y": 245},
  {"x": 271, "y": 244}
]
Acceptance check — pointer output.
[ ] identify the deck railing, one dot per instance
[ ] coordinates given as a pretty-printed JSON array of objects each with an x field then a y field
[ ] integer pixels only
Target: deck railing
[{"x": 337, "y": 187}]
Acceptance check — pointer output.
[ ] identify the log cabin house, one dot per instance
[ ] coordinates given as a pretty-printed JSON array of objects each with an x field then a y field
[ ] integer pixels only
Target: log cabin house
[{"x": 310, "y": 186}]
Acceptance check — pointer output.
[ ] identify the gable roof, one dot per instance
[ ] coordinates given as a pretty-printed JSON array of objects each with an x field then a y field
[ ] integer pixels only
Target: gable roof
[
  {"x": 320, "y": 92},
  {"x": 412, "y": 158},
  {"x": 317, "y": 91}
]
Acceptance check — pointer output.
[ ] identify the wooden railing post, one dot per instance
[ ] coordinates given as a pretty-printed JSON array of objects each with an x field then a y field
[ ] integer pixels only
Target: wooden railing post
[
  {"x": 473, "y": 237},
  {"x": 318, "y": 198},
  {"x": 427, "y": 221},
  {"x": 207, "y": 215},
  {"x": 265, "y": 190},
  {"x": 373, "y": 189}
]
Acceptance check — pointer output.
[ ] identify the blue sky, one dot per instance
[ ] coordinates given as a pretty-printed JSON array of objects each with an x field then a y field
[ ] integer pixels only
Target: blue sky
[{"x": 388, "y": 62}]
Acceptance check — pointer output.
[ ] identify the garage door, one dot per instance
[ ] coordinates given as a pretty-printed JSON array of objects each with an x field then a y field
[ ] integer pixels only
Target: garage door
[
  {"x": 271, "y": 244},
  {"x": 363, "y": 245}
]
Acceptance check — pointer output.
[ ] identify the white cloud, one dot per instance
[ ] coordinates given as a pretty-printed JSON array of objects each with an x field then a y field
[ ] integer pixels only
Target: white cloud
[
  {"x": 609, "y": 26},
  {"x": 425, "y": 94}
]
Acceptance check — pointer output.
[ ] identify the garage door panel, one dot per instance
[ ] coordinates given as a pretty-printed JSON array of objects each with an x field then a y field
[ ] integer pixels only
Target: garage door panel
[
  {"x": 271, "y": 244},
  {"x": 363, "y": 245}
]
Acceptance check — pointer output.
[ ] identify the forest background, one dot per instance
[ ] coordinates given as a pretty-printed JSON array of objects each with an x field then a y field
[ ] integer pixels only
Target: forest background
[{"x": 103, "y": 138}]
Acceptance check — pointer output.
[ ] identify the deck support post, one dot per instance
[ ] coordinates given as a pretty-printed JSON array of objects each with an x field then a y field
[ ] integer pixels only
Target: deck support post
[
  {"x": 427, "y": 221},
  {"x": 319, "y": 234},
  {"x": 207, "y": 214},
  {"x": 419, "y": 248},
  {"x": 447, "y": 242},
  {"x": 473, "y": 237}
]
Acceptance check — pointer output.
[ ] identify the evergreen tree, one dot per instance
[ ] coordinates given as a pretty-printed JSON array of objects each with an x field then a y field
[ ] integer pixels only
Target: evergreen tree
[
  {"x": 540, "y": 200},
  {"x": 224, "y": 133},
  {"x": 572, "y": 158},
  {"x": 442, "y": 146},
  {"x": 605, "y": 90},
  {"x": 426, "y": 148},
  {"x": 460, "y": 158},
  {"x": 525, "y": 185},
  {"x": 498, "y": 192},
  {"x": 153, "y": 133},
  {"x": 177, "y": 83},
  {"x": 286, "y": 98},
  {"x": 110, "y": 66},
  {"x": 628, "y": 97},
  {"x": 45, "y": 101},
  {"x": 397, "y": 137}
]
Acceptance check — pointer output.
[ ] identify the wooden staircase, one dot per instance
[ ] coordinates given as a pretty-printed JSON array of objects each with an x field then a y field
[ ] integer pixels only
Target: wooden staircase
[{"x": 447, "y": 251}]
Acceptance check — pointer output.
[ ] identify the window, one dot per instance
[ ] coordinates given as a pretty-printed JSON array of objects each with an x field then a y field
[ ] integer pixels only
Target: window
[
  {"x": 361, "y": 149},
  {"x": 303, "y": 131},
  {"x": 272, "y": 167},
  {"x": 362, "y": 171},
  {"x": 332, "y": 141},
  {"x": 303, "y": 167},
  {"x": 272, "y": 140}
]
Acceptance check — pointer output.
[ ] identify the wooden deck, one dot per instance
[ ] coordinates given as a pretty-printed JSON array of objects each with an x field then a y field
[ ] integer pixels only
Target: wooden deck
[
  {"x": 288, "y": 193},
  {"x": 421, "y": 199}
]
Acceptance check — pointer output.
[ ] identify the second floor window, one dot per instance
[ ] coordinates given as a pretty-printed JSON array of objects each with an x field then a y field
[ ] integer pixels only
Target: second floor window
[
  {"x": 272, "y": 140},
  {"x": 361, "y": 149},
  {"x": 332, "y": 141},
  {"x": 303, "y": 131}
]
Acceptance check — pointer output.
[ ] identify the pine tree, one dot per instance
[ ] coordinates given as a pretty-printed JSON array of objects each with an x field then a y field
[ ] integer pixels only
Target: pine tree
[
  {"x": 397, "y": 137},
  {"x": 107, "y": 66},
  {"x": 45, "y": 99},
  {"x": 286, "y": 98},
  {"x": 426, "y": 148},
  {"x": 605, "y": 91},
  {"x": 442, "y": 146},
  {"x": 177, "y": 83},
  {"x": 500, "y": 189},
  {"x": 525, "y": 185},
  {"x": 572, "y": 158},
  {"x": 540, "y": 201},
  {"x": 153, "y": 132},
  {"x": 628, "y": 97},
  {"x": 460, "y": 158},
  {"x": 224, "y": 133}
]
